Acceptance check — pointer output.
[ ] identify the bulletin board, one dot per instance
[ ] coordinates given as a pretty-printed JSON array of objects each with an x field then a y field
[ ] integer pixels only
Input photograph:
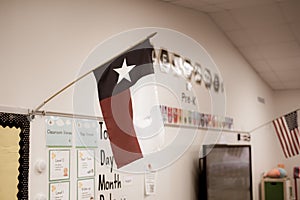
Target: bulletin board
[{"x": 22, "y": 122}]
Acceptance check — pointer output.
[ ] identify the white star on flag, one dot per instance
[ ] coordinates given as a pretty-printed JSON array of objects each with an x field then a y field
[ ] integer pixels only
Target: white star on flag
[{"x": 124, "y": 71}]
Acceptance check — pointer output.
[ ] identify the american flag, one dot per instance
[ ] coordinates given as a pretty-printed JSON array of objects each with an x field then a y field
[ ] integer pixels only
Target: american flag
[{"x": 287, "y": 131}]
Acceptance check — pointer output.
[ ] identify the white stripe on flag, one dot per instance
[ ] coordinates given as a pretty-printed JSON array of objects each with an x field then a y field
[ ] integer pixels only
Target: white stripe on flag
[{"x": 147, "y": 117}]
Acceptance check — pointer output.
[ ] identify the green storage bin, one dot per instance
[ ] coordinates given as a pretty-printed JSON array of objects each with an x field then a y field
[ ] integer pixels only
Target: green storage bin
[{"x": 274, "y": 191}]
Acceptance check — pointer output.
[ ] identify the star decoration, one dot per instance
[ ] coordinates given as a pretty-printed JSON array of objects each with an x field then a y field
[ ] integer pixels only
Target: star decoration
[{"x": 124, "y": 71}]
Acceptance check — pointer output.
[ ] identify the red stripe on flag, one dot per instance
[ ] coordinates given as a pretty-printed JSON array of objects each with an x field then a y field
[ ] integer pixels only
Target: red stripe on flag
[
  {"x": 279, "y": 137},
  {"x": 118, "y": 115}
]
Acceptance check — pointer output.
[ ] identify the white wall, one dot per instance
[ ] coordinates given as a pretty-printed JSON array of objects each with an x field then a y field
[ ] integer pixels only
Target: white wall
[
  {"x": 44, "y": 43},
  {"x": 286, "y": 101}
]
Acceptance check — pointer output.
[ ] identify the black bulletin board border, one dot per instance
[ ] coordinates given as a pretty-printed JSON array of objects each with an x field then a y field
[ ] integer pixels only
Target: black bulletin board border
[{"x": 20, "y": 121}]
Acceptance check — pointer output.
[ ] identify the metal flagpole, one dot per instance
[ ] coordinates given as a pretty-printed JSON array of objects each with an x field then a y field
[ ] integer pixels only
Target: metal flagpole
[
  {"x": 268, "y": 122},
  {"x": 84, "y": 75},
  {"x": 70, "y": 115}
]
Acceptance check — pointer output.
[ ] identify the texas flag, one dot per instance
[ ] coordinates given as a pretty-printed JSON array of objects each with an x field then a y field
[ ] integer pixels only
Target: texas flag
[{"x": 129, "y": 103}]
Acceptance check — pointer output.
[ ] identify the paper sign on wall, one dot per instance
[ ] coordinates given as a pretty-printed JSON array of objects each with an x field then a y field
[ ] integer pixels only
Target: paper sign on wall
[
  {"x": 59, "y": 164},
  {"x": 58, "y": 131},
  {"x": 87, "y": 132},
  {"x": 86, "y": 163},
  {"x": 59, "y": 191},
  {"x": 85, "y": 189},
  {"x": 150, "y": 183}
]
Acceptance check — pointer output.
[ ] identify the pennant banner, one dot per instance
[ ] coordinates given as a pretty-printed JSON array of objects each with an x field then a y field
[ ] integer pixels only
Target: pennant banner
[{"x": 178, "y": 116}]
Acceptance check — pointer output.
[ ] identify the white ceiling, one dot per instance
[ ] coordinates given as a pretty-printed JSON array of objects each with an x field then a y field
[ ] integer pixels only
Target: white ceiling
[{"x": 266, "y": 32}]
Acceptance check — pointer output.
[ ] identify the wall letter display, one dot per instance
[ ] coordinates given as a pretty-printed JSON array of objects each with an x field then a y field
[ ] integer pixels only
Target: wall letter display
[
  {"x": 184, "y": 67},
  {"x": 178, "y": 116}
]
